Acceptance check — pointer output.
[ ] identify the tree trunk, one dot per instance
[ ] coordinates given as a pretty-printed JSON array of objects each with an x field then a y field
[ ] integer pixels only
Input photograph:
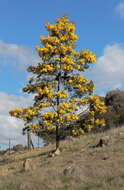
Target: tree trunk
[
  {"x": 57, "y": 127},
  {"x": 57, "y": 137},
  {"x": 31, "y": 142},
  {"x": 28, "y": 140}
]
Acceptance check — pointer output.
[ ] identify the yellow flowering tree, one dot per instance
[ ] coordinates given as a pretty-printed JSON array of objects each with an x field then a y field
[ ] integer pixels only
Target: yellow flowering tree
[{"x": 58, "y": 83}]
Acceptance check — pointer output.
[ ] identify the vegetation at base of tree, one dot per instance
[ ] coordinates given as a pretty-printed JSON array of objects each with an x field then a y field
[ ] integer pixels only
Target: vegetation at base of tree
[{"x": 59, "y": 86}]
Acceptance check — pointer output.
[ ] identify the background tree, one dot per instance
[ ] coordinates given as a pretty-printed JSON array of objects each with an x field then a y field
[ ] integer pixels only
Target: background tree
[
  {"x": 114, "y": 101},
  {"x": 58, "y": 83}
]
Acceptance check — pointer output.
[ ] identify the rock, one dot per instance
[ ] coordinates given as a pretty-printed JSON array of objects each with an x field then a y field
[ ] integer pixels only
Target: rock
[
  {"x": 57, "y": 152},
  {"x": 28, "y": 165},
  {"x": 72, "y": 170},
  {"x": 121, "y": 133},
  {"x": 105, "y": 157},
  {"x": 82, "y": 150},
  {"x": 51, "y": 154},
  {"x": 104, "y": 141},
  {"x": 67, "y": 171}
]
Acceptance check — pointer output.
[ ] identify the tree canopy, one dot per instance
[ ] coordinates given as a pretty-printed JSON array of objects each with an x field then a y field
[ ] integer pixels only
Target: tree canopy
[{"x": 59, "y": 85}]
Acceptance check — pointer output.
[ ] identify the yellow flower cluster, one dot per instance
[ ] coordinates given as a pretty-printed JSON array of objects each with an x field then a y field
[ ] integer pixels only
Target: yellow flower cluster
[
  {"x": 31, "y": 69},
  {"x": 65, "y": 105},
  {"x": 83, "y": 101},
  {"x": 48, "y": 125},
  {"x": 66, "y": 67},
  {"x": 78, "y": 81},
  {"x": 89, "y": 127},
  {"x": 56, "y": 58},
  {"x": 100, "y": 122},
  {"x": 97, "y": 105},
  {"x": 79, "y": 78},
  {"x": 46, "y": 122},
  {"x": 49, "y": 40},
  {"x": 41, "y": 68},
  {"x": 70, "y": 117},
  {"x": 88, "y": 56},
  {"x": 64, "y": 29},
  {"x": 16, "y": 112},
  {"x": 70, "y": 81},
  {"x": 77, "y": 132},
  {"x": 45, "y": 91},
  {"x": 64, "y": 50},
  {"x": 68, "y": 60},
  {"x": 61, "y": 111},
  {"x": 33, "y": 127},
  {"x": 70, "y": 27},
  {"x": 62, "y": 94},
  {"x": 47, "y": 68},
  {"x": 96, "y": 110},
  {"x": 66, "y": 108},
  {"x": 82, "y": 61},
  {"x": 51, "y": 127},
  {"x": 45, "y": 52},
  {"x": 49, "y": 50},
  {"x": 79, "y": 87},
  {"x": 25, "y": 113},
  {"x": 41, "y": 105},
  {"x": 49, "y": 115},
  {"x": 73, "y": 100}
]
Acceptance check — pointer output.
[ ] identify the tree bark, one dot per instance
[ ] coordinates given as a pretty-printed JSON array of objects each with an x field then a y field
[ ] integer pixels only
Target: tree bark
[
  {"x": 31, "y": 142},
  {"x": 28, "y": 140},
  {"x": 57, "y": 137},
  {"x": 57, "y": 127}
]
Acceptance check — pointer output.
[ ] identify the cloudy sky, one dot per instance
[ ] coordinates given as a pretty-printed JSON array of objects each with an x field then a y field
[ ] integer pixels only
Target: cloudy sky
[{"x": 100, "y": 26}]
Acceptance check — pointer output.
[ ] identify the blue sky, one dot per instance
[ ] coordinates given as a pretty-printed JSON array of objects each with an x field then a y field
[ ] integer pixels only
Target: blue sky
[{"x": 99, "y": 24}]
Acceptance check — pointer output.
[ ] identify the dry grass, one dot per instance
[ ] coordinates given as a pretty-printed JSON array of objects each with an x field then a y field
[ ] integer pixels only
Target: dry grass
[{"x": 97, "y": 172}]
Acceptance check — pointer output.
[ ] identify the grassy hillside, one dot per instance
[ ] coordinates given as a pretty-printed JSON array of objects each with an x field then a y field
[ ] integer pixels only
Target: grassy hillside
[{"x": 91, "y": 168}]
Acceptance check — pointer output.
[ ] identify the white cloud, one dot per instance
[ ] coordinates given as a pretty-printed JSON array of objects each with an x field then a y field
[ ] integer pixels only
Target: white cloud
[
  {"x": 20, "y": 56},
  {"x": 8, "y": 102},
  {"x": 108, "y": 72},
  {"x": 120, "y": 9}
]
